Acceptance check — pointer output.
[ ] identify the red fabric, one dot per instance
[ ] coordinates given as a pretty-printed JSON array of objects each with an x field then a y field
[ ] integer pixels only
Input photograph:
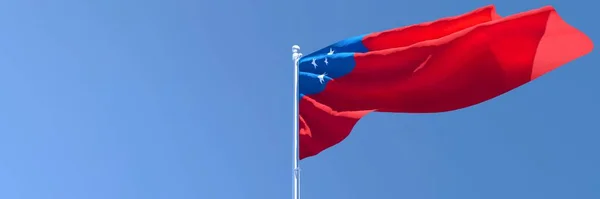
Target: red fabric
[{"x": 440, "y": 66}]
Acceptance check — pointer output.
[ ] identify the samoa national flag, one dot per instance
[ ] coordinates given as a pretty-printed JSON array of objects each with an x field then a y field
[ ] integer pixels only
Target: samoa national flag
[{"x": 444, "y": 65}]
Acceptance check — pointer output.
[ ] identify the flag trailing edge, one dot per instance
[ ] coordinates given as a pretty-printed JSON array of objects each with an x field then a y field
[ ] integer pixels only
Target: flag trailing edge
[{"x": 439, "y": 66}]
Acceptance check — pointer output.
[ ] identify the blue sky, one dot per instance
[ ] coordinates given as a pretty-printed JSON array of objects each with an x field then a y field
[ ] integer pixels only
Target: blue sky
[{"x": 193, "y": 99}]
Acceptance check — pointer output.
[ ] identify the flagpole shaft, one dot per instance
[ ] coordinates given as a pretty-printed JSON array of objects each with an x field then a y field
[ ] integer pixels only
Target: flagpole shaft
[{"x": 296, "y": 57}]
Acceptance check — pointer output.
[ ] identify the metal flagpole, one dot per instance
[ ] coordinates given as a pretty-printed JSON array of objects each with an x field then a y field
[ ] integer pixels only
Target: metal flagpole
[{"x": 296, "y": 56}]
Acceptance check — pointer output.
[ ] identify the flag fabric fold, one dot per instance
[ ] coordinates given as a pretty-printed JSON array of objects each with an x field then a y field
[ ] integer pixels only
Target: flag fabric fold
[{"x": 440, "y": 66}]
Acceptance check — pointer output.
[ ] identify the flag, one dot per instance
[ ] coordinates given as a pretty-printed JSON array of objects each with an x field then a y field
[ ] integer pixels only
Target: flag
[{"x": 440, "y": 66}]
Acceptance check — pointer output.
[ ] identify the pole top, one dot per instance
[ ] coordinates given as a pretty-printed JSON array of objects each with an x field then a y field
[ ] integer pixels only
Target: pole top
[
  {"x": 296, "y": 54},
  {"x": 295, "y": 48}
]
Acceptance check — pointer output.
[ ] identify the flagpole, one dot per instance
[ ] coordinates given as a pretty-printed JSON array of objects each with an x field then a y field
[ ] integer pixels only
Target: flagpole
[{"x": 296, "y": 56}]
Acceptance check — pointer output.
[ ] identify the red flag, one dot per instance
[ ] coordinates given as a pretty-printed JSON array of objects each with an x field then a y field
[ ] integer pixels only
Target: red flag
[{"x": 440, "y": 66}]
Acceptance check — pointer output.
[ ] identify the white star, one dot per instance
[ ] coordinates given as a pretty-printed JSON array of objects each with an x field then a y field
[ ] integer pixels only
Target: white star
[
  {"x": 322, "y": 77},
  {"x": 326, "y": 62},
  {"x": 330, "y": 52},
  {"x": 314, "y": 63}
]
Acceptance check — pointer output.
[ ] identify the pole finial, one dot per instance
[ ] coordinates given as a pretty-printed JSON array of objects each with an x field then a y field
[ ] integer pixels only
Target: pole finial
[{"x": 296, "y": 53}]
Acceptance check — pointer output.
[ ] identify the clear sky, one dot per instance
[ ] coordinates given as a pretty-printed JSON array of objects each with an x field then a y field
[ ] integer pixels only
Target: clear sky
[{"x": 182, "y": 99}]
